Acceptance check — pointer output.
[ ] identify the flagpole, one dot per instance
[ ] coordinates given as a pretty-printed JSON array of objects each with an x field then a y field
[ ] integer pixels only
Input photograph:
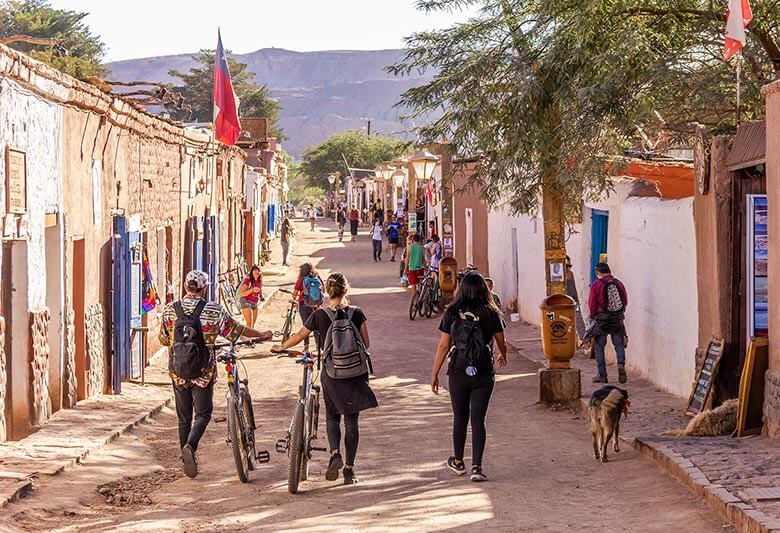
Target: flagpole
[{"x": 739, "y": 83}]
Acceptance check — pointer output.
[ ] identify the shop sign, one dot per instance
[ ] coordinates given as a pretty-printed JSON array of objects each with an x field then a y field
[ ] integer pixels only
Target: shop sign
[{"x": 15, "y": 181}]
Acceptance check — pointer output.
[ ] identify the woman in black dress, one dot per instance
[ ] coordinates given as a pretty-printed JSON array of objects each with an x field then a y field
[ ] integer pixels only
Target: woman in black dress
[{"x": 343, "y": 397}]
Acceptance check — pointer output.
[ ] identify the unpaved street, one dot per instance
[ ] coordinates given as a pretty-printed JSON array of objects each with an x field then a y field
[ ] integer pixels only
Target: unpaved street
[{"x": 542, "y": 473}]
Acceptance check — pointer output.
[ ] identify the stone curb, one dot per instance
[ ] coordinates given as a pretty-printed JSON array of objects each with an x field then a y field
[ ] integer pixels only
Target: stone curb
[
  {"x": 741, "y": 515},
  {"x": 24, "y": 487}
]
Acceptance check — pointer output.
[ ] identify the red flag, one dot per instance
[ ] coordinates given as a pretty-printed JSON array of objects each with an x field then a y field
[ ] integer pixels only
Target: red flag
[
  {"x": 226, "y": 124},
  {"x": 737, "y": 19}
]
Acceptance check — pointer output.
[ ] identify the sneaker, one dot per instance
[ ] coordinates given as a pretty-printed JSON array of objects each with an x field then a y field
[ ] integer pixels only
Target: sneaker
[
  {"x": 335, "y": 464},
  {"x": 622, "y": 373},
  {"x": 188, "y": 458},
  {"x": 458, "y": 467},
  {"x": 477, "y": 474},
  {"x": 598, "y": 378},
  {"x": 349, "y": 476}
]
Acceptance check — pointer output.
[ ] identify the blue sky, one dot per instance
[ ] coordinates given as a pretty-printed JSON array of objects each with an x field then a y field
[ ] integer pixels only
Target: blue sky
[{"x": 143, "y": 28}]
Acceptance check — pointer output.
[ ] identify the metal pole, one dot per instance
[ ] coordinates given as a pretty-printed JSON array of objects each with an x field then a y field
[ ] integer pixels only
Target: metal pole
[{"x": 739, "y": 84}]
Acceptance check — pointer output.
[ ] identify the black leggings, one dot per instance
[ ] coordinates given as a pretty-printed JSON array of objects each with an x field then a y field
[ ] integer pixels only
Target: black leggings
[
  {"x": 377, "y": 249},
  {"x": 351, "y": 434},
  {"x": 470, "y": 396}
]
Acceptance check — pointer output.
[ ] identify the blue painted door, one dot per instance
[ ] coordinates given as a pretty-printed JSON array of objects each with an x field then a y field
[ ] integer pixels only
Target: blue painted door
[
  {"x": 210, "y": 255},
  {"x": 599, "y": 234},
  {"x": 197, "y": 244},
  {"x": 120, "y": 293}
]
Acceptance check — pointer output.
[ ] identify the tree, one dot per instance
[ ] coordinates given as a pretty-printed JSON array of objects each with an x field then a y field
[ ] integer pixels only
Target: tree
[
  {"x": 359, "y": 149},
  {"x": 79, "y": 52},
  {"x": 545, "y": 92},
  {"x": 198, "y": 90}
]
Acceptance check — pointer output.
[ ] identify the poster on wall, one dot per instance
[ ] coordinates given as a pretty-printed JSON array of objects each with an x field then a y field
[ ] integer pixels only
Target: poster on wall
[{"x": 758, "y": 251}]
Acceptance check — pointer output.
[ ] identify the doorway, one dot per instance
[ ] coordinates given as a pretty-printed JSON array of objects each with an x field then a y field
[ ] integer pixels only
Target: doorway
[
  {"x": 469, "y": 237},
  {"x": 515, "y": 272},
  {"x": 79, "y": 312},
  {"x": 54, "y": 297},
  {"x": 599, "y": 237}
]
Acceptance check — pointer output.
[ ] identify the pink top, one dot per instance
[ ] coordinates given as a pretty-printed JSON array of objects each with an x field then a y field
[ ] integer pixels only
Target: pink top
[{"x": 252, "y": 297}]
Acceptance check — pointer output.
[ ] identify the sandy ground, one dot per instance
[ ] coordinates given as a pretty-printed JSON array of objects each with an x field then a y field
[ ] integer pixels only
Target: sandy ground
[{"x": 543, "y": 476}]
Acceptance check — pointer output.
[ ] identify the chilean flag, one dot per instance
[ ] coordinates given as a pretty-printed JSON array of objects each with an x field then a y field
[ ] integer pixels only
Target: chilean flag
[
  {"x": 738, "y": 17},
  {"x": 226, "y": 124}
]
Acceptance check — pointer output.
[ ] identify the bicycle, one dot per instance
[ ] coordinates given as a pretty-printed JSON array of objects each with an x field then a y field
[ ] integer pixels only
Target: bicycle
[
  {"x": 431, "y": 294},
  {"x": 240, "y": 414},
  {"x": 297, "y": 443},
  {"x": 289, "y": 319}
]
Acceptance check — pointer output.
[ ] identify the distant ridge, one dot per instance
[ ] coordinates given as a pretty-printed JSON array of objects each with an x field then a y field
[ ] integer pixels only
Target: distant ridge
[{"x": 321, "y": 93}]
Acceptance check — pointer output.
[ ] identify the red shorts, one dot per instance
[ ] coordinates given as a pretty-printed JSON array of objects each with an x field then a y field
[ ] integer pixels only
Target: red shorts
[{"x": 416, "y": 276}]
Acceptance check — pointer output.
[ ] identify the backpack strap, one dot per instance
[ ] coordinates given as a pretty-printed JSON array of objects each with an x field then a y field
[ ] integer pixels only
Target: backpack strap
[
  {"x": 199, "y": 309},
  {"x": 178, "y": 308}
]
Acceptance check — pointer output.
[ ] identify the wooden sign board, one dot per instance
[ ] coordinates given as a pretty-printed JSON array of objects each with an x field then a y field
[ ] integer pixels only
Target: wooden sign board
[
  {"x": 705, "y": 378},
  {"x": 751, "y": 387},
  {"x": 15, "y": 181}
]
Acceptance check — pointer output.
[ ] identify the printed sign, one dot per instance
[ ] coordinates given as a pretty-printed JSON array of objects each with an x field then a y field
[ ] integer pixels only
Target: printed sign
[
  {"x": 556, "y": 272},
  {"x": 758, "y": 255},
  {"x": 15, "y": 181}
]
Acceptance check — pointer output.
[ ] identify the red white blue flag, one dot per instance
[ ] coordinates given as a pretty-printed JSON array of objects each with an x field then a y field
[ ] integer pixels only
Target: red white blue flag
[
  {"x": 226, "y": 124},
  {"x": 738, "y": 17}
]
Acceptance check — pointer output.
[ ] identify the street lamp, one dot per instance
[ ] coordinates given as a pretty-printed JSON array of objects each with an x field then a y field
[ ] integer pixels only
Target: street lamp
[
  {"x": 423, "y": 163},
  {"x": 398, "y": 177},
  {"x": 332, "y": 180}
]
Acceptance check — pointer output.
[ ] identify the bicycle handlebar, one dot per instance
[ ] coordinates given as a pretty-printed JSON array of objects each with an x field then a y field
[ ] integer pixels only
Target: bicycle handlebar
[
  {"x": 288, "y": 291},
  {"x": 249, "y": 342}
]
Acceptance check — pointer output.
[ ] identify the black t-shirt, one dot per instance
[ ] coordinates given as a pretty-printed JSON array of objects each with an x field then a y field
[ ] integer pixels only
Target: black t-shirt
[
  {"x": 489, "y": 320},
  {"x": 319, "y": 321}
]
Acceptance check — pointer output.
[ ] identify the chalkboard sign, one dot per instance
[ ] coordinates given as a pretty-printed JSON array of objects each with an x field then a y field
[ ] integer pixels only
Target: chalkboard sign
[{"x": 705, "y": 378}]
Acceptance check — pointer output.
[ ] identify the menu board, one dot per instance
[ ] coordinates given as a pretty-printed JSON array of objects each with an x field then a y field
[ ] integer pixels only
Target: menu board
[{"x": 705, "y": 378}]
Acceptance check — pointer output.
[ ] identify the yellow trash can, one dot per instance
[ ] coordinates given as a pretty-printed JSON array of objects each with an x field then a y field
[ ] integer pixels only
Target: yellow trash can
[{"x": 558, "y": 330}]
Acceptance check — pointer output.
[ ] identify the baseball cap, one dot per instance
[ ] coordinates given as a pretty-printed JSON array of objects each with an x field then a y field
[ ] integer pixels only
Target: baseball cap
[{"x": 198, "y": 278}]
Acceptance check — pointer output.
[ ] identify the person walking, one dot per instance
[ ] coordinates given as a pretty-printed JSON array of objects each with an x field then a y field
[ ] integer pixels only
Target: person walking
[
  {"x": 393, "y": 233},
  {"x": 312, "y": 216},
  {"x": 251, "y": 292},
  {"x": 470, "y": 325},
  {"x": 343, "y": 397},
  {"x": 493, "y": 294},
  {"x": 308, "y": 292},
  {"x": 354, "y": 221},
  {"x": 415, "y": 262},
  {"x": 377, "y": 236},
  {"x": 191, "y": 361},
  {"x": 607, "y": 304},
  {"x": 341, "y": 220},
  {"x": 284, "y": 238}
]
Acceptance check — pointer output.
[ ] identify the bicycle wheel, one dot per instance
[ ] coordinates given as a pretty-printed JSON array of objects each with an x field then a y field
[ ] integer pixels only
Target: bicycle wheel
[
  {"x": 295, "y": 452},
  {"x": 287, "y": 329},
  {"x": 235, "y": 436},
  {"x": 428, "y": 300},
  {"x": 414, "y": 307},
  {"x": 248, "y": 416}
]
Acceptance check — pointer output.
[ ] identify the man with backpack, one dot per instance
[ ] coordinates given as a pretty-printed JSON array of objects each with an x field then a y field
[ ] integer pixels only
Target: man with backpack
[
  {"x": 308, "y": 292},
  {"x": 190, "y": 328},
  {"x": 607, "y": 304},
  {"x": 393, "y": 234}
]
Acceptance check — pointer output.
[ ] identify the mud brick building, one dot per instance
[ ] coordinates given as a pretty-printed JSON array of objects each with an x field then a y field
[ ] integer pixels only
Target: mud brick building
[{"x": 103, "y": 208}]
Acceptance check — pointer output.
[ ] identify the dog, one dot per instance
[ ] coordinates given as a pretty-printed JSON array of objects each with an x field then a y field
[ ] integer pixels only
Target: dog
[
  {"x": 719, "y": 421},
  {"x": 605, "y": 407}
]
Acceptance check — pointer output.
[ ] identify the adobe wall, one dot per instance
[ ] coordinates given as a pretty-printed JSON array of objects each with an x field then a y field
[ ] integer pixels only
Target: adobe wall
[
  {"x": 469, "y": 197},
  {"x": 772, "y": 380}
]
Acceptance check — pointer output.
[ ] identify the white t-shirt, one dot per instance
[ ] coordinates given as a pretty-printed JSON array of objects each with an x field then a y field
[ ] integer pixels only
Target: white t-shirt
[
  {"x": 433, "y": 251},
  {"x": 377, "y": 233}
]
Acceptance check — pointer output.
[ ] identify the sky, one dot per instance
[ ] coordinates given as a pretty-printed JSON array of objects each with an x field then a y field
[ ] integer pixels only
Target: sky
[{"x": 144, "y": 28}]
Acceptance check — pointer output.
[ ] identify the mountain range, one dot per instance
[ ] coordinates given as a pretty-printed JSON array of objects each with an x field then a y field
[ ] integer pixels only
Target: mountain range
[{"x": 321, "y": 93}]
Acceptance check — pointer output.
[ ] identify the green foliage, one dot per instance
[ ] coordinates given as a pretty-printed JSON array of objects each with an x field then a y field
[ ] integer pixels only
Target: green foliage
[
  {"x": 301, "y": 194},
  {"x": 546, "y": 91},
  {"x": 359, "y": 149},
  {"x": 36, "y": 18},
  {"x": 198, "y": 90}
]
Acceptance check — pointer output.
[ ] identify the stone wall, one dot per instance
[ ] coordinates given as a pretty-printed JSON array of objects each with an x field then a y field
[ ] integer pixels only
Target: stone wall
[
  {"x": 69, "y": 389},
  {"x": 39, "y": 366},
  {"x": 95, "y": 322},
  {"x": 772, "y": 403}
]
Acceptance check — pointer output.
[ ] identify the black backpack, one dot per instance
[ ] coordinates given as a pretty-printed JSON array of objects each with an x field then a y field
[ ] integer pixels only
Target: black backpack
[
  {"x": 189, "y": 353},
  {"x": 469, "y": 349},
  {"x": 613, "y": 300}
]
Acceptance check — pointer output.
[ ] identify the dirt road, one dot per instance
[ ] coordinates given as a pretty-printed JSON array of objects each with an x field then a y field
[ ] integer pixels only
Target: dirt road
[{"x": 542, "y": 473}]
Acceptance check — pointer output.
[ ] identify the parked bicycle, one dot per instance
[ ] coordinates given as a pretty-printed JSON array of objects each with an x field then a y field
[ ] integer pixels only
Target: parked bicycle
[
  {"x": 297, "y": 443},
  {"x": 430, "y": 299},
  {"x": 240, "y": 414},
  {"x": 289, "y": 319}
]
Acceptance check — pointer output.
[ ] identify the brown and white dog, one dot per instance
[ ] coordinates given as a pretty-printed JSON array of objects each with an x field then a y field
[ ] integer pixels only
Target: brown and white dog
[{"x": 605, "y": 407}]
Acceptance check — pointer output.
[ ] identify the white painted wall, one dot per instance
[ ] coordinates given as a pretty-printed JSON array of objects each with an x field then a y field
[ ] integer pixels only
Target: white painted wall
[
  {"x": 651, "y": 248},
  {"x": 33, "y": 125}
]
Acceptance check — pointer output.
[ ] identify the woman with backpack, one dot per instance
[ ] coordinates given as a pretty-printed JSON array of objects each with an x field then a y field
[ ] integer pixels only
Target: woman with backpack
[
  {"x": 308, "y": 292},
  {"x": 345, "y": 394},
  {"x": 468, "y": 328}
]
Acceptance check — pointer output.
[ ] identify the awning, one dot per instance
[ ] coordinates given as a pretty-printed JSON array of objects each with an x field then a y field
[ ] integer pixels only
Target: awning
[{"x": 749, "y": 148}]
